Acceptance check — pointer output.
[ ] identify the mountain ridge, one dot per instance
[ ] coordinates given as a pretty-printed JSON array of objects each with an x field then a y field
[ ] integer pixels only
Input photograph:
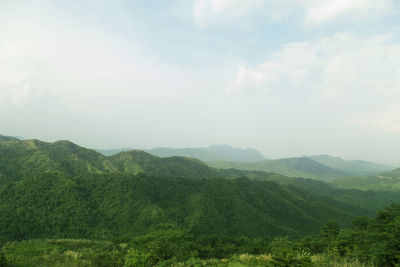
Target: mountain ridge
[
  {"x": 85, "y": 193},
  {"x": 351, "y": 167},
  {"x": 206, "y": 154}
]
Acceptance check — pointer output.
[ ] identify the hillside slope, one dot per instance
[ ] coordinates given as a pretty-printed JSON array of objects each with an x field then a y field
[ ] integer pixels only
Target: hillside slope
[
  {"x": 291, "y": 167},
  {"x": 19, "y": 159},
  {"x": 63, "y": 190},
  {"x": 136, "y": 161},
  {"x": 372, "y": 182},
  {"x": 51, "y": 205},
  {"x": 351, "y": 167}
]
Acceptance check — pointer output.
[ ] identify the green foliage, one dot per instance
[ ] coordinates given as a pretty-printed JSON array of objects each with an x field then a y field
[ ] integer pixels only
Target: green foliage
[
  {"x": 63, "y": 252},
  {"x": 19, "y": 160},
  {"x": 134, "y": 162},
  {"x": 368, "y": 240},
  {"x": 156, "y": 216},
  {"x": 102, "y": 206}
]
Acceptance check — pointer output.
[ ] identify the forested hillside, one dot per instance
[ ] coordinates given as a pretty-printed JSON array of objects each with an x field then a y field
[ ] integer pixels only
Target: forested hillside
[
  {"x": 62, "y": 190},
  {"x": 368, "y": 242},
  {"x": 52, "y": 205},
  {"x": 33, "y": 157}
]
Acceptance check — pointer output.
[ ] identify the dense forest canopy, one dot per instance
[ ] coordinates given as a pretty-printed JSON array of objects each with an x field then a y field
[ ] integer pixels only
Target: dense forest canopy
[{"x": 184, "y": 208}]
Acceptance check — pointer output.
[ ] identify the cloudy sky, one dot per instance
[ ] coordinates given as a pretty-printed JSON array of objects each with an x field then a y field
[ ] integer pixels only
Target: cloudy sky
[{"x": 287, "y": 77}]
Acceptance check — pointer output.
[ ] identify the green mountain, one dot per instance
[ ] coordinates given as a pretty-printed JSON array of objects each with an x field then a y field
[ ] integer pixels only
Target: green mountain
[
  {"x": 291, "y": 167},
  {"x": 136, "y": 161},
  {"x": 32, "y": 157},
  {"x": 63, "y": 190},
  {"x": 20, "y": 159},
  {"x": 351, "y": 167},
  {"x": 211, "y": 153},
  {"x": 4, "y": 138},
  {"x": 101, "y": 206}
]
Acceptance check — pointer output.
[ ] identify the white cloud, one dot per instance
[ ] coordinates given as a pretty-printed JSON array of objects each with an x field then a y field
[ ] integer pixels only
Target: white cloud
[
  {"x": 311, "y": 12},
  {"x": 21, "y": 78},
  {"x": 327, "y": 10},
  {"x": 385, "y": 121},
  {"x": 78, "y": 66},
  {"x": 342, "y": 67}
]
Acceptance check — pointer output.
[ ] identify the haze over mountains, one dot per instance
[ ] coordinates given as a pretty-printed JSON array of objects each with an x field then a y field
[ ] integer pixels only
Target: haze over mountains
[
  {"x": 356, "y": 167},
  {"x": 226, "y": 157},
  {"x": 207, "y": 154}
]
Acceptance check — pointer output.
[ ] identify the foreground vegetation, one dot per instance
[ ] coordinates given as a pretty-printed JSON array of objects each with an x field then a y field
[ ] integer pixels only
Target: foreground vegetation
[{"x": 368, "y": 242}]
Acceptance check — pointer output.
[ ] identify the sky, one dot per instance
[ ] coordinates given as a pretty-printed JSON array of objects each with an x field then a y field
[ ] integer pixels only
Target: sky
[{"x": 286, "y": 77}]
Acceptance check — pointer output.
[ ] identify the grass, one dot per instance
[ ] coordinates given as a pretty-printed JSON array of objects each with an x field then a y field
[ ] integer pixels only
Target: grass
[{"x": 88, "y": 253}]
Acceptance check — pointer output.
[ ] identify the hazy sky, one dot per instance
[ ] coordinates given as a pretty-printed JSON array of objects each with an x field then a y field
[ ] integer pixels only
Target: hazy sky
[{"x": 287, "y": 77}]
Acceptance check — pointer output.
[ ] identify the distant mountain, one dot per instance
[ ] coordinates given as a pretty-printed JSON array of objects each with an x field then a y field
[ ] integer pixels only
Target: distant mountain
[
  {"x": 351, "y": 167},
  {"x": 211, "y": 153},
  {"x": 4, "y": 138},
  {"x": 291, "y": 167}
]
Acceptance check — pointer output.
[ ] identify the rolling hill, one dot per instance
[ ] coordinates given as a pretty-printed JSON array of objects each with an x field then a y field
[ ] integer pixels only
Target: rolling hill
[
  {"x": 19, "y": 159},
  {"x": 136, "y": 161},
  {"x": 98, "y": 206},
  {"x": 61, "y": 189},
  {"x": 351, "y": 167},
  {"x": 291, "y": 167}
]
